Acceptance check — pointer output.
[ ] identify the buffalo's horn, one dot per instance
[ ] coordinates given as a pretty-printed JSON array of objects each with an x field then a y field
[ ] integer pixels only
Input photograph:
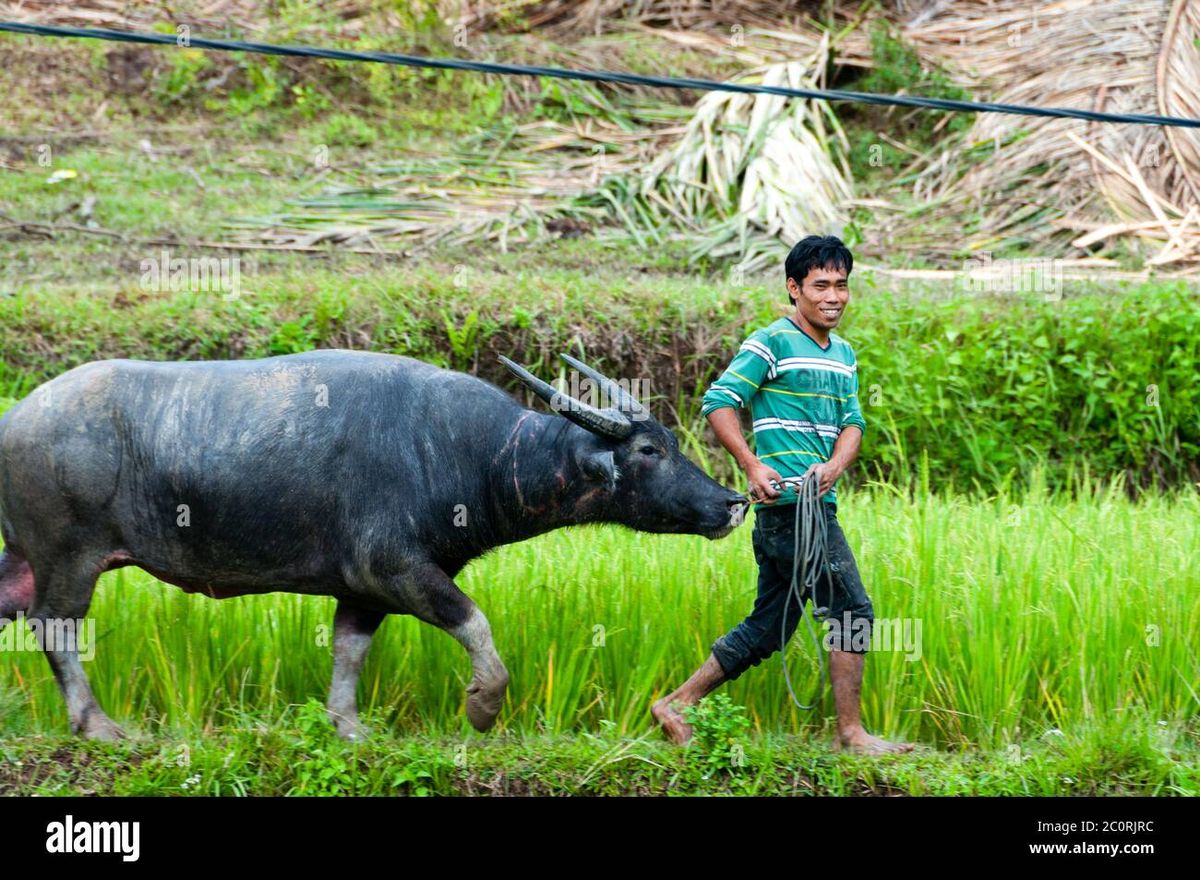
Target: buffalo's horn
[
  {"x": 626, "y": 402},
  {"x": 609, "y": 422}
]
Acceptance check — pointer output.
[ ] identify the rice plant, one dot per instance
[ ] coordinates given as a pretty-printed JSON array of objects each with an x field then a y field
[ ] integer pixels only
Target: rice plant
[{"x": 1009, "y": 619}]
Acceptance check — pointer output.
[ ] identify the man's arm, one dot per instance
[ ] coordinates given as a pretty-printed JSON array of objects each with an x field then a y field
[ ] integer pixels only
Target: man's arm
[
  {"x": 728, "y": 428},
  {"x": 732, "y": 391}
]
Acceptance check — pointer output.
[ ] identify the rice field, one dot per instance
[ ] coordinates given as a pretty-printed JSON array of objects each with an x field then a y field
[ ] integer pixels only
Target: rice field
[{"x": 1035, "y": 615}]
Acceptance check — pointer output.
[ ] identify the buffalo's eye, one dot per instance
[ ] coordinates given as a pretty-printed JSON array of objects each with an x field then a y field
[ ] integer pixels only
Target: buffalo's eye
[{"x": 649, "y": 450}]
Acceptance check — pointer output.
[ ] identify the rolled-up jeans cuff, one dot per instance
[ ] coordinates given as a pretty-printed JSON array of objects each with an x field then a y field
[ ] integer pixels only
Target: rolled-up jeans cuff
[{"x": 732, "y": 662}]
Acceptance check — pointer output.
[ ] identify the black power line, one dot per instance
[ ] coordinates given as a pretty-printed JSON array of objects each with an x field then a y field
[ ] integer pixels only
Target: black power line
[{"x": 593, "y": 75}]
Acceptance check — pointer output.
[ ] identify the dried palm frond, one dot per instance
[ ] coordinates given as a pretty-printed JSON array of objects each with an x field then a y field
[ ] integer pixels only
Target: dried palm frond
[
  {"x": 573, "y": 17},
  {"x": 215, "y": 16},
  {"x": 1178, "y": 85},
  {"x": 509, "y": 186},
  {"x": 744, "y": 174},
  {"x": 1036, "y": 181},
  {"x": 750, "y": 174},
  {"x": 752, "y": 32},
  {"x": 123, "y": 15}
]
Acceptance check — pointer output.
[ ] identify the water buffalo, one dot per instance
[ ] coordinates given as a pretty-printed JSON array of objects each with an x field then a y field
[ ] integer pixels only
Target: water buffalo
[{"x": 368, "y": 477}]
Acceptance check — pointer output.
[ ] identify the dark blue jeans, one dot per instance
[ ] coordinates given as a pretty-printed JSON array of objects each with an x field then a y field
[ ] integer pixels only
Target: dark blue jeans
[{"x": 758, "y": 636}]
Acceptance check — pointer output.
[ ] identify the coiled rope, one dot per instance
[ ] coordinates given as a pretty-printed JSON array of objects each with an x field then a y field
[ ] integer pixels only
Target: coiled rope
[{"x": 810, "y": 555}]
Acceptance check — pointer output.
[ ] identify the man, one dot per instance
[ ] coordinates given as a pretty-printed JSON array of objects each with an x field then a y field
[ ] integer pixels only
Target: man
[{"x": 800, "y": 381}]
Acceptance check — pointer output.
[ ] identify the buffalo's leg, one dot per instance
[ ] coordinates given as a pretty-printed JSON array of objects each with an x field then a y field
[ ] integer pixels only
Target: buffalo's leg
[
  {"x": 489, "y": 680},
  {"x": 63, "y": 595},
  {"x": 438, "y": 600},
  {"x": 353, "y": 629}
]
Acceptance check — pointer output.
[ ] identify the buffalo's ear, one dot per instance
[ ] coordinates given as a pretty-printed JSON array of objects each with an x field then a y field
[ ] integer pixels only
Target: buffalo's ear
[{"x": 599, "y": 467}]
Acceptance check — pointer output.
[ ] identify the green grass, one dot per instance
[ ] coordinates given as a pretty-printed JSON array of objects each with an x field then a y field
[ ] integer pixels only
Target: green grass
[
  {"x": 1037, "y": 672},
  {"x": 1037, "y": 615},
  {"x": 290, "y": 755}
]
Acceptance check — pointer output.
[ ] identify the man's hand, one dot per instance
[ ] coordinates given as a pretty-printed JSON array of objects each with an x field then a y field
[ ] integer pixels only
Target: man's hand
[
  {"x": 760, "y": 476},
  {"x": 845, "y": 450},
  {"x": 827, "y": 473}
]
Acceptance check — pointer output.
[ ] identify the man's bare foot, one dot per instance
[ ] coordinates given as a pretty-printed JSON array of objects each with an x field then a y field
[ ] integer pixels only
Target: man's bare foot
[
  {"x": 703, "y": 681},
  {"x": 674, "y": 726},
  {"x": 863, "y": 743}
]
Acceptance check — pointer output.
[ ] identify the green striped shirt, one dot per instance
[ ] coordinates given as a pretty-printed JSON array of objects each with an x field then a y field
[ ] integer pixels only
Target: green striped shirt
[{"x": 800, "y": 397}]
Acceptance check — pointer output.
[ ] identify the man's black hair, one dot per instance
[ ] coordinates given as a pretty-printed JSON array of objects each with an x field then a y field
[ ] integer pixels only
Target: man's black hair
[{"x": 816, "y": 252}]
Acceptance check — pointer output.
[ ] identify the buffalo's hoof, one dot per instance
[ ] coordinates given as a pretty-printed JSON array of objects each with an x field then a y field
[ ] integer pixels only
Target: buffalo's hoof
[
  {"x": 484, "y": 702},
  {"x": 349, "y": 728},
  {"x": 102, "y": 728},
  {"x": 354, "y": 733}
]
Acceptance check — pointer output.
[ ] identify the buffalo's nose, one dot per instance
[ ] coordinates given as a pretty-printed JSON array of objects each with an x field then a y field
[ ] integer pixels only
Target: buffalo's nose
[{"x": 738, "y": 505}]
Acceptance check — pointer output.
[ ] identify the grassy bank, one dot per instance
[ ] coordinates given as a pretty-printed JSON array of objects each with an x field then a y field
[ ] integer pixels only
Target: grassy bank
[
  {"x": 983, "y": 387},
  {"x": 294, "y": 757}
]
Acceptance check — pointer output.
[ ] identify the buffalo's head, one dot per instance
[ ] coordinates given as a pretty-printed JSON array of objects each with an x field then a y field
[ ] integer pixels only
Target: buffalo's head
[{"x": 630, "y": 466}]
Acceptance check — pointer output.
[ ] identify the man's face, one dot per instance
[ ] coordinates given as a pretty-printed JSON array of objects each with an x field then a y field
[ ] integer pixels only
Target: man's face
[{"x": 822, "y": 298}]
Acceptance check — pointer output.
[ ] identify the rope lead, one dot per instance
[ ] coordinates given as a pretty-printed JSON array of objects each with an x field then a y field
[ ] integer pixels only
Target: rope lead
[{"x": 812, "y": 533}]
